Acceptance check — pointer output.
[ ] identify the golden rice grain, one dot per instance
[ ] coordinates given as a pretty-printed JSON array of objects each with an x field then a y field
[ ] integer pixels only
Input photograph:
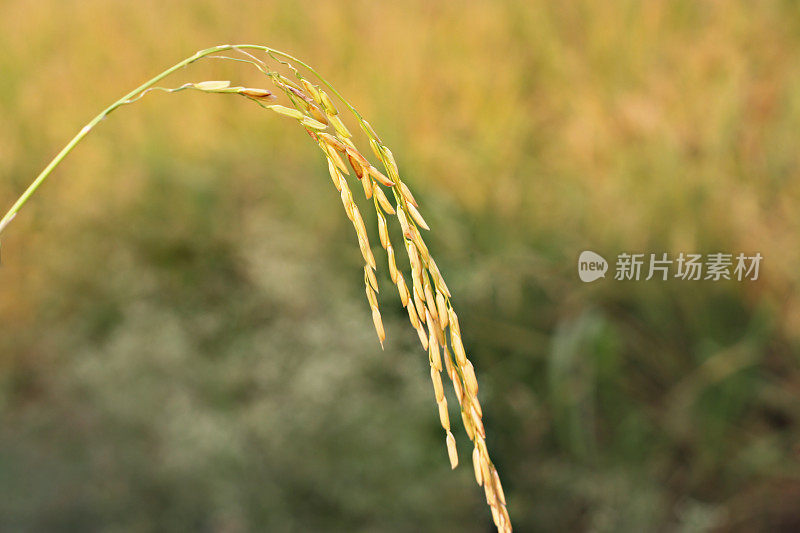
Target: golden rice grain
[
  {"x": 452, "y": 453},
  {"x": 476, "y": 465},
  {"x": 477, "y": 423},
  {"x": 371, "y": 277},
  {"x": 420, "y": 244},
  {"x": 256, "y": 93},
  {"x": 367, "y": 127},
  {"x": 406, "y": 193},
  {"x": 376, "y": 149},
  {"x": 383, "y": 201},
  {"x": 401, "y": 216},
  {"x": 367, "y": 185},
  {"x": 335, "y": 176},
  {"x": 403, "y": 290},
  {"x": 423, "y": 317},
  {"x": 431, "y": 332},
  {"x": 488, "y": 487},
  {"x": 456, "y": 384},
  {"x": 413, "y": 256},
  {"x": 423, "y": 338},
  {"x": 441, "y": 309},
  {"x": 438, "y": 280},
  {"x": 439, "y": 332},
  {"x": 379, "y": 177},
  {"x": 438, "y": 389},
  {"x": 477, "y": 406},
  {"x": 444, "y": 416},
  {"x": 357, "y": 167},
  {"x": 286, "y": 82},
  {"x": 498, "y": 487},
  {"x": 313, "y": 123},
  {"x": 376, "y": 319},
  {"x": 339, "y": 126},
  {"x": 392, "y": 264},
  {"x": 429, "y": 300},
  {"x": 214, "y": 85},
  {"x": 468, "y": 426},
  {"x": 366, "y": 252},
  {"x": 371, "y": 298},
  {"x": 354, "y": 153},
  {"x": 469, "y": 378},
  {"x": 333, "y": 142},
  {"x": 311, "y": 89},
  {"x": 435, "y": 357},
  {"x": 358, "y": 222},
  {"x": 286, "y": 111},
  {"x": 347, "y": 199},
  {"x": 327, "y": 103},
  {"x": 389, "y": 164},
  {"x": 454, "y": 327},
  {"x": 448, "y": 365},
  {"x": 334, "y": 155},
  {"x": 317, "y": 113},
  {"x": 382, "y": 231},
  {"x": 417, "y": 216},
  {"x": 458, "y": 347}
]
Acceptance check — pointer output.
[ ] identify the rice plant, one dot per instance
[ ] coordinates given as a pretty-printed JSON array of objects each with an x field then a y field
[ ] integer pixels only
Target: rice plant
[{"x": 421, "y": 286}]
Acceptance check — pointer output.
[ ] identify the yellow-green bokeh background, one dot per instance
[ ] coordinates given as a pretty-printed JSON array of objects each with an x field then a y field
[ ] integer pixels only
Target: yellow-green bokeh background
[{"x": 184, "y": 342}]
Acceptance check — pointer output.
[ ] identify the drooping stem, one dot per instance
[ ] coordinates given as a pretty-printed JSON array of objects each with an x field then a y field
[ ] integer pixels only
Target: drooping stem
[
  {"x": 429, "y": 301},
  {"x": 44, "y": 174}
]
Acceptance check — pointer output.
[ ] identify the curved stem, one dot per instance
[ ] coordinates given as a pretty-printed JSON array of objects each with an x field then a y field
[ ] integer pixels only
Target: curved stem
[{"x": 43, "y": 175}]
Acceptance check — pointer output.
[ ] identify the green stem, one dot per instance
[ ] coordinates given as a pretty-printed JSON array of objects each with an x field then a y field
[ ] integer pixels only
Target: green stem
[{"x": 122, "y": 101}]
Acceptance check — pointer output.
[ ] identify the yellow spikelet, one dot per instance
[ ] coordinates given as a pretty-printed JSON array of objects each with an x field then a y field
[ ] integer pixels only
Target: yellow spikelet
[
  {"x": 448, "y": 365},
  {"x": 370, "y": 275},
  {"x": 441, "y": 308},
  {"x": 477, "y": 423},
  {"x": 313, "y": 123},
  {"x": 406, "y": 193},
  {"x": 417, "y": 217},
  {"x": 366, "y": 183},
  {"x": 458, "y": 347},
  {"x": 452, "y": 453},
  {"x": 383, "y": 201},
  {"x": 339, "y": 126},
  {"x": 476, "y": 465},
  {"x": 392, "y": 264},
  {"x": 498, "y": 487},
  {"x": 327, "y": 103},
  {"x": 438, "y": 389},
  {"x": 469, "y": 378},
  {"x": 423, "y": 338},
  {"x": 311, "y": 89},
  {"x": 376, "y": 319},
  {"x": 286, "y": 111},
  {"x": 402, "y": 289},
  {"x": 434, "y": 356},
  {"x": 444, "y": 416},
  {"x": 383, "y": 232},
  {"x": 379, "y": 177},
  {"x": 335, "y": 176}
]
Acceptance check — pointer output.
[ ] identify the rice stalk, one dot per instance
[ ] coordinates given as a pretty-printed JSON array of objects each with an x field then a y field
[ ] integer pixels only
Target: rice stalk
[{"x": 428, "y": 301}]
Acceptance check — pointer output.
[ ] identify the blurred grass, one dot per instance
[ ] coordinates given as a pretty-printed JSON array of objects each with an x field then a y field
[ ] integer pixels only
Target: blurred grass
[{"x": 184, "y": 343}]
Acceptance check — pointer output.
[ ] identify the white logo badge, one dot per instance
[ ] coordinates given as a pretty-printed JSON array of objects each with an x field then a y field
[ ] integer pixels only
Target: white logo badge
[{"x": 591, "y": 266}]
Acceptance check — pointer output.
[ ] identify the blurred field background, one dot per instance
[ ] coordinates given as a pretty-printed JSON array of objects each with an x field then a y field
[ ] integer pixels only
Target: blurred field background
[{"x": 184, "y": 341}]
